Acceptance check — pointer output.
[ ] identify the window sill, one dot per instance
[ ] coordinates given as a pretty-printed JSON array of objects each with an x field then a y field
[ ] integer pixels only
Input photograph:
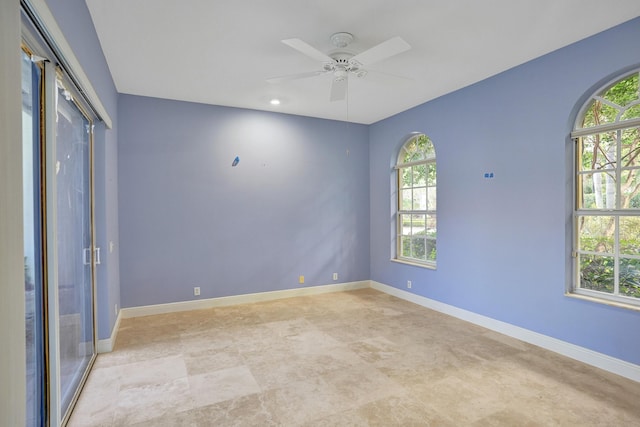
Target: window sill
[
  {"x": 415, "y": 264},
  {"x": 602, "y": 301}
]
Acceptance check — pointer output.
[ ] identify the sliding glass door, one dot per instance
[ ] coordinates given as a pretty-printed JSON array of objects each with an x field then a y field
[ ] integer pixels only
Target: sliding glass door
[
  {"x": 74, "y": 231},
  {"x": 59, "y": 258}
]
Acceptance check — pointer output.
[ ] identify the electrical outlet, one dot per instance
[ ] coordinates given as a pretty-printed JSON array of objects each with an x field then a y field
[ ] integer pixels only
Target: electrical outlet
[
  {"x": 335, "y": 276},
  {"x": 196, "y": 291},
  {"x": 409, "y": 284},
  {"x": 116, "y": 310},
  {"x": 301, "y": 280}
]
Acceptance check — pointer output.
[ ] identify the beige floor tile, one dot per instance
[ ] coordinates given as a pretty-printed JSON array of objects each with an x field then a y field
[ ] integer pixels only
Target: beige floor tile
[
  {"x": 509, "y": 418},
  {"x": 172, "y": 419},
  {"x": 239, "y": 412},
  {"x": 375, "y": 349},
  {"x": 205, "y": 339},
  {"x": 349, "y": 418},
  {"x": 147, "y": 373},
  {"x": 139, "y": 353},
  {"x": 406, "y": 412},
  {"x": 146, "y": 402},
  {"x": 250, "y": 410},
  {"x": 277, "y": 368},
  {"x": 99, "y": 397},
  {"x": 201, "y": 362},
  {"x": 362, "y": 384},
  {"x": 304, "y": 401},
  {"x": 225, "y": 384}
]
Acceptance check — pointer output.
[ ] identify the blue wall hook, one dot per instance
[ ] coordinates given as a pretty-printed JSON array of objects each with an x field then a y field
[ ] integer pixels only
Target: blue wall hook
[{"x": 236, "y": 161}]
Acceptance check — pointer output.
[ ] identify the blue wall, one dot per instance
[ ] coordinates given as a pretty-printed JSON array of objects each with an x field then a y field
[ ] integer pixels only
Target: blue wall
[
  {"x": 504, "y": 243},
  {"x": 296, "y": 204},
  {"x": 74, "y": 20}
]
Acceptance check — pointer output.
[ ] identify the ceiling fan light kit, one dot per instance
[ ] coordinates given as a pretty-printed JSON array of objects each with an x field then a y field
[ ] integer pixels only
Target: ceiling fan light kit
[{"x": 340, "y": 63}]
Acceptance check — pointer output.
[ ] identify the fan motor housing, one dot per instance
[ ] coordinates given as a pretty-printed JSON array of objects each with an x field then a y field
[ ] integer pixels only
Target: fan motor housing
[{"x": 343, "y": 64}]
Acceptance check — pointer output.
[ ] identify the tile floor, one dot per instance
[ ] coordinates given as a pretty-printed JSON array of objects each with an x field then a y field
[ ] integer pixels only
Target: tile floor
[{"x": 359, "y": 358}]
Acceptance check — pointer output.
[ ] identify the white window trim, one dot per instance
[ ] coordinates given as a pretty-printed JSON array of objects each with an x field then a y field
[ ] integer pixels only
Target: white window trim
[{"x": 431, "y": 265}]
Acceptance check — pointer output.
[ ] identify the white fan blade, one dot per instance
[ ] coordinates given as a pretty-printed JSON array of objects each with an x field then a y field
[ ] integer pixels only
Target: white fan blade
[
  {"x": 382, "y": 51},
  {"x": 307, "y": 49},
  {"x": 338, "y": 90},
  {"x": 290, "y": 77}
]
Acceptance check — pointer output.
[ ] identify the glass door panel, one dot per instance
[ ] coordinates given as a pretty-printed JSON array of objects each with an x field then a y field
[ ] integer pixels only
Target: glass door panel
[
  {"x": 33, "y": 285},
  {"x": 74, "y": 244}
]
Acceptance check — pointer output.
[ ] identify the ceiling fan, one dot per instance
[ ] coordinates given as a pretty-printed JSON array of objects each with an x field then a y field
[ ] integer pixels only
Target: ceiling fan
[{"x": 341, "y": 63}]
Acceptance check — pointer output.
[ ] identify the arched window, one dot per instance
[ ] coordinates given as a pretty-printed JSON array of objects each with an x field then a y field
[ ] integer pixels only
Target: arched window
[
  {"x": 416, "y": 205},
  {"x": 607, "y": 205}
]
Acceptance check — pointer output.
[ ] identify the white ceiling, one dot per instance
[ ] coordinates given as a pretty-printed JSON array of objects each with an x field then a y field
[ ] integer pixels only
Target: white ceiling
[{"x": 222, "y": 51}]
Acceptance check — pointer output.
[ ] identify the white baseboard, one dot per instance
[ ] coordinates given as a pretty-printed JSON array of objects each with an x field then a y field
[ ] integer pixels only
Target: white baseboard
[
  {"x": 590, "y": 357},
  {"x": 106, "y": 345},
  {"x": 201, "y": 304}
]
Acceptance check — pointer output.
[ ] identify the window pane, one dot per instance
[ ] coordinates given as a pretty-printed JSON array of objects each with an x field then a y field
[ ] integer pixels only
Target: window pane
[
  {"x": 431, "y": 249},
  {"x": 406, "y": 199},
  {"x": 597, "y": 273},
  {"x": 599, "y": 151},
  {"x": 417, "y": 224},
  {"x": 598, "y": 190},
  {"x": 405, "y": 220},
  {"x": 596, "y": 233},
  {"x": 598, "y": 114},
  {"x": 426, "y": 146},
  {"x": 431, "y": 198},
  {"x": 420, "y": 199},
  {"x": 631, "y": 113},
  {"x": 410, "y": 149},
  {"x": 416, "y": 155},
  {"x": 405, "y": 247},
  {"x": 630, "y": 277},
  {"x": 623, "y": 92},
  {"x": 405, "y": 177},
  {"x": 420, "y": 175},
  {"x": 630, "y": 154},
  {"x": 431, "y": 174},
  {"x": 431, "y": 226},
  {"x": 630, "y": 189},
  {"x": 418, "y": 249},
  {"x": 630, "y": 235}
]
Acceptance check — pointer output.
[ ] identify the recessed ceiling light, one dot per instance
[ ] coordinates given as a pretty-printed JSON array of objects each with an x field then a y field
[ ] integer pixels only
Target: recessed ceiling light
[{"x": 275, "y": 101}]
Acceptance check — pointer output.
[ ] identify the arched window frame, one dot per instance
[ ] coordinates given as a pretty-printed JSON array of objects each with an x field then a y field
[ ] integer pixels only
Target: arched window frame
[
  {"x": 606, "y": 244},
  {"x": 415, "y": 216}
]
